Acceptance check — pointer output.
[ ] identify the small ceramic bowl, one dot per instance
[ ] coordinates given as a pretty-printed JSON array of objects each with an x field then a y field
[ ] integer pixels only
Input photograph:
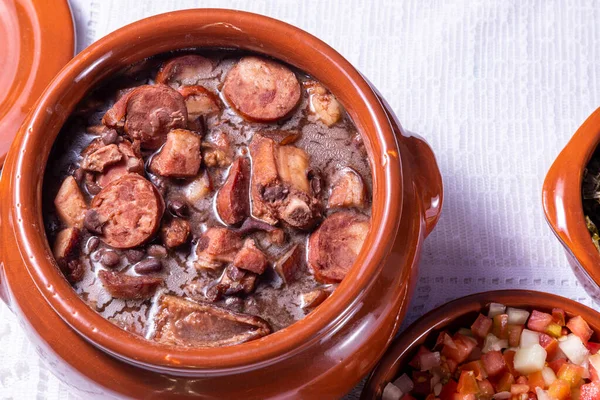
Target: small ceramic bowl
[
  {"x": 561, "y": 197},
  {"x": 458, "y": 314},
  {"x": 322, "y": 356}
]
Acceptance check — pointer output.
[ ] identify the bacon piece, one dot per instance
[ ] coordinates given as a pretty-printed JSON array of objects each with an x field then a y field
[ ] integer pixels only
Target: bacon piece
[
  {"x": 348, "y": 190},
  {"x": 314, "y": 298},
  {"x": 233, "y": 281},
  {"x": 101, "y": 158},
  {"x": 182, "y": 322},
  {"x": 322, "y": 103},
  {"x": 250, "y": 258},
  {"x": 199, "y": 188},
  {"x": 70, "y": 204},
  {"x": 129, "y": 287},
  {"x": 66, "y": 252},
  {"x": 180, "y": 156},
  {"x": 232, "y": 201},
  {"x": 175, "y": 232},
  {"x": 216, "y": 246},
  {"x": 288, "y": 265}
]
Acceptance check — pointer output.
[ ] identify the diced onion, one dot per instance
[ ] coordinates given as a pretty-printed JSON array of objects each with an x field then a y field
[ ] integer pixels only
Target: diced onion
[
  {"x": 404, "y": 383},
  {"x": 496, "y": 309},
  {"x": 437, "y": 389},
  {"x": 502, "y": 396},
  {"x": 391, "y": 392},
  {"x": 529, "y": 338},
  {"x": 595, "y": 363},
  {"x": 430, "y": 360},
  {"x": 542, "y": 394},
  {"x": 574, "y": 349},
  {"x": 548, "y": 375},
  {"x": 492, "y": 343},
  {"x": 530, "y": 359},
  {"x": 516, "y": 316}
]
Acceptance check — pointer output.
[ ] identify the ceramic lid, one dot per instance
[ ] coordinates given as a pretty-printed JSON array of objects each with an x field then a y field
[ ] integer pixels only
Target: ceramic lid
[{"x": 36, "y": 40}]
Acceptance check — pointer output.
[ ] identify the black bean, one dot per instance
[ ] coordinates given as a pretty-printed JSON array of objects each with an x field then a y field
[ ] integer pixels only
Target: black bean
[
  {"x": 110, "y": 258},
  {"x": 157, "y": 251},
  {"x": 78, "y": 175},
  {"x": 134, "y": 255},
  {"x": 92, "y": 222},
  {"x": 92, "y": 244},
  {"x": 109, "y": 136},
  {"x": 177, "y": 208},
  {"x": 92, "y": 188},
  {"x": 148, "y": 265},
  {"x": 96, "y": 255}
]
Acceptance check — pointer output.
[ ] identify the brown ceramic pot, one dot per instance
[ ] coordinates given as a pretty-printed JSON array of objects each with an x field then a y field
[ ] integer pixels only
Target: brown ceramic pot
[
  {"x": 458, "y": 314},
  {"x": 325, "y": 354},
  {"x": 561, "y": 196}
]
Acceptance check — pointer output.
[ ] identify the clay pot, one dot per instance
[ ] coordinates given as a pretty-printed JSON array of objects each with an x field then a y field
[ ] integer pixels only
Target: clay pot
[
  {"x": 459, "y": 314},
  {"x": 323, "y": 355},
  {"x": 561, "y": 196}
]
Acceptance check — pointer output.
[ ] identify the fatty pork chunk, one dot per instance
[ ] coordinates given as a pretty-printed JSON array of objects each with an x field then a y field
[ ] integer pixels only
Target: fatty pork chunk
[{"x": 279, "y": 187}]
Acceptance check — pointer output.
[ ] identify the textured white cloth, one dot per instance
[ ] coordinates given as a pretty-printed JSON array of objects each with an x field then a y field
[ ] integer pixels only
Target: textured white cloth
[{"x": 496, "y": 87}]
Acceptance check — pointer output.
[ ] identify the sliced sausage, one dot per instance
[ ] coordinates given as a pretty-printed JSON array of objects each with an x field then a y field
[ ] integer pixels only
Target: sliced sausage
[
  {"x": 216, "y": 246},
  {"x": 66, "y": 252},
  {"x": 261, "y": 89},
  {"x": 182, "y": 322},
  {"x": 70, "y": 204},
  {"x": 129, "y": 287},
  {"x": 334, "y": 246},
  {"x": 314, "y": 298},
  {"x": 180, "y": 156},
  {"x": 250, "y": 258},
  {"x": 185, "y": 70},
  {"x": 132, "y": 208},
  {"x": 232, "y": 201},
  {"x": 322, "y": 103},
  {"x": 348, "y": 190},
  {"x": 148, "y": 113},
  {"x": 198, "y": 189},
  {"x": 175, "y": 232}
]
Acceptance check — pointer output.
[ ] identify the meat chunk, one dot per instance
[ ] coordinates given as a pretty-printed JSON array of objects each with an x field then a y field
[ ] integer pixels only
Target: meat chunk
[
  {"x": 180, "y": 156},
  {"x": 99, "y": 159},
  {"x": 217, "y": 246},
  {"x": 348, "y": 190},
  {"x": 233, "y": 281},
  {"x": 334, "y": 246},
  {"x": 322, "y": 103},
  {"x": 232, "y": 201},
  {"x": 129, "y": 287},
  {"x": 148, "y": 113},
  {"x": 182, "y": 322},
  {"x": 66, "y": 253},
  {"x": 314, "y": 298},
  {"x": 175, "y": 232},
  {"x": 185, "y": 70},
  {"x": 250, "y": 258},
  {"x": 70, "y": 204},
  {"x": 199, "y": 101},
  {"x": 279, "y": 186},
  {"x": 217, "y": 151},
  {"x": 199, "y": 188},
  {"x": 132, "y": 209},
  {"x": 290, "y": 263},
  {"x": 261, "y": 89}
]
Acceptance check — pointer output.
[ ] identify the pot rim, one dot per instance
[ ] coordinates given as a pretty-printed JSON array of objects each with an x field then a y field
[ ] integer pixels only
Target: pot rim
[
  {"x": 271, "y": 37},
  {"x": 561, "y": 196},
  {"x": 440, "y": 317}
]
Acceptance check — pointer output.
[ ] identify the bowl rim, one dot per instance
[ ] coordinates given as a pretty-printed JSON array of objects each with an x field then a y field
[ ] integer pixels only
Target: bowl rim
[
  {"x": 442, "y": 316},
  {"x": 561, "y": 196},
  {"x": 366, "y": 111}
]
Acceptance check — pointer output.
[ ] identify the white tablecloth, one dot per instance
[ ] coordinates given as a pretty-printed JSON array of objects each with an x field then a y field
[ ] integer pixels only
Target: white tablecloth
[{"x": 496, "y": 87}]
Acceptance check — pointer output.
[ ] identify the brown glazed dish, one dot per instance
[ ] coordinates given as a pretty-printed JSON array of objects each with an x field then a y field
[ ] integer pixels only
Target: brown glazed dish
[
  {"x": 561, "y": 197},
  {"x": 459, "y": 313},
  {"x": 325, "y": 354}
]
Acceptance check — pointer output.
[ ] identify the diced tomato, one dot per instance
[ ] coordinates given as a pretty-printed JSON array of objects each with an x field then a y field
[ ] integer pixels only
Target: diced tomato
[
  {"x": 539, "y": 321},
  {"x": 422, "y": 383},
  {"x": 557, "y": 364},
  {"x": 467, "y": 384},
  {"x": 504, "y": 383},
  {"x": 571, "y": 373},
  {"x": 416, "y": 361},
  {"x": 486, "y": 388},
  {"x": 560, "y": 390},
  {"x": 558, "y": 315},
  {"x": 444, "y": 339},
  {"x": 514, "y": 335},
  {"x": 518, "y": 388},
  {"x": 536, "y": 379},
  {"x": 549, "y": 344},
  {"x": 464, "y": 345},
  {"x": 590, "y": 391},
  {"x": 466, "y": 396},
  {"x": 430, "y": 397},
  {"x": 500, "y": 326},
  {"x": 482, "y": 326},
  {"x": 448, "y": 390},
  {"x": 594, "y": 348},
  {"x": 580, "y": 327},
  {"x": 477, "y": 368},
  {"x": 494, "y": 363},
  {"x": 564, "y": 332},
  {"x": 452, "y": 365},
  {"x": 509, "y": 359}
]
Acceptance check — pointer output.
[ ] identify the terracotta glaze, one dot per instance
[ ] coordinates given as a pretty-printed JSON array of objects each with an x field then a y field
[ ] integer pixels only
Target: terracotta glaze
[
  {"x": 36, "y": 41},
  {"x": 457, "y": 314},
  {"x": 325, "y": 354},
  {"x": 561, "y": 197}
]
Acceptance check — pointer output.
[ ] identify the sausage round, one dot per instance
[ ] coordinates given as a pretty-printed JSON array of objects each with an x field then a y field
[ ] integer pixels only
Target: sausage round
[
  {"x": 261, "y": 89},
  {"x": 185, "y": 70},
  {"x": 334, "y": 246},
  {"x": 132, "y": 207}
]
